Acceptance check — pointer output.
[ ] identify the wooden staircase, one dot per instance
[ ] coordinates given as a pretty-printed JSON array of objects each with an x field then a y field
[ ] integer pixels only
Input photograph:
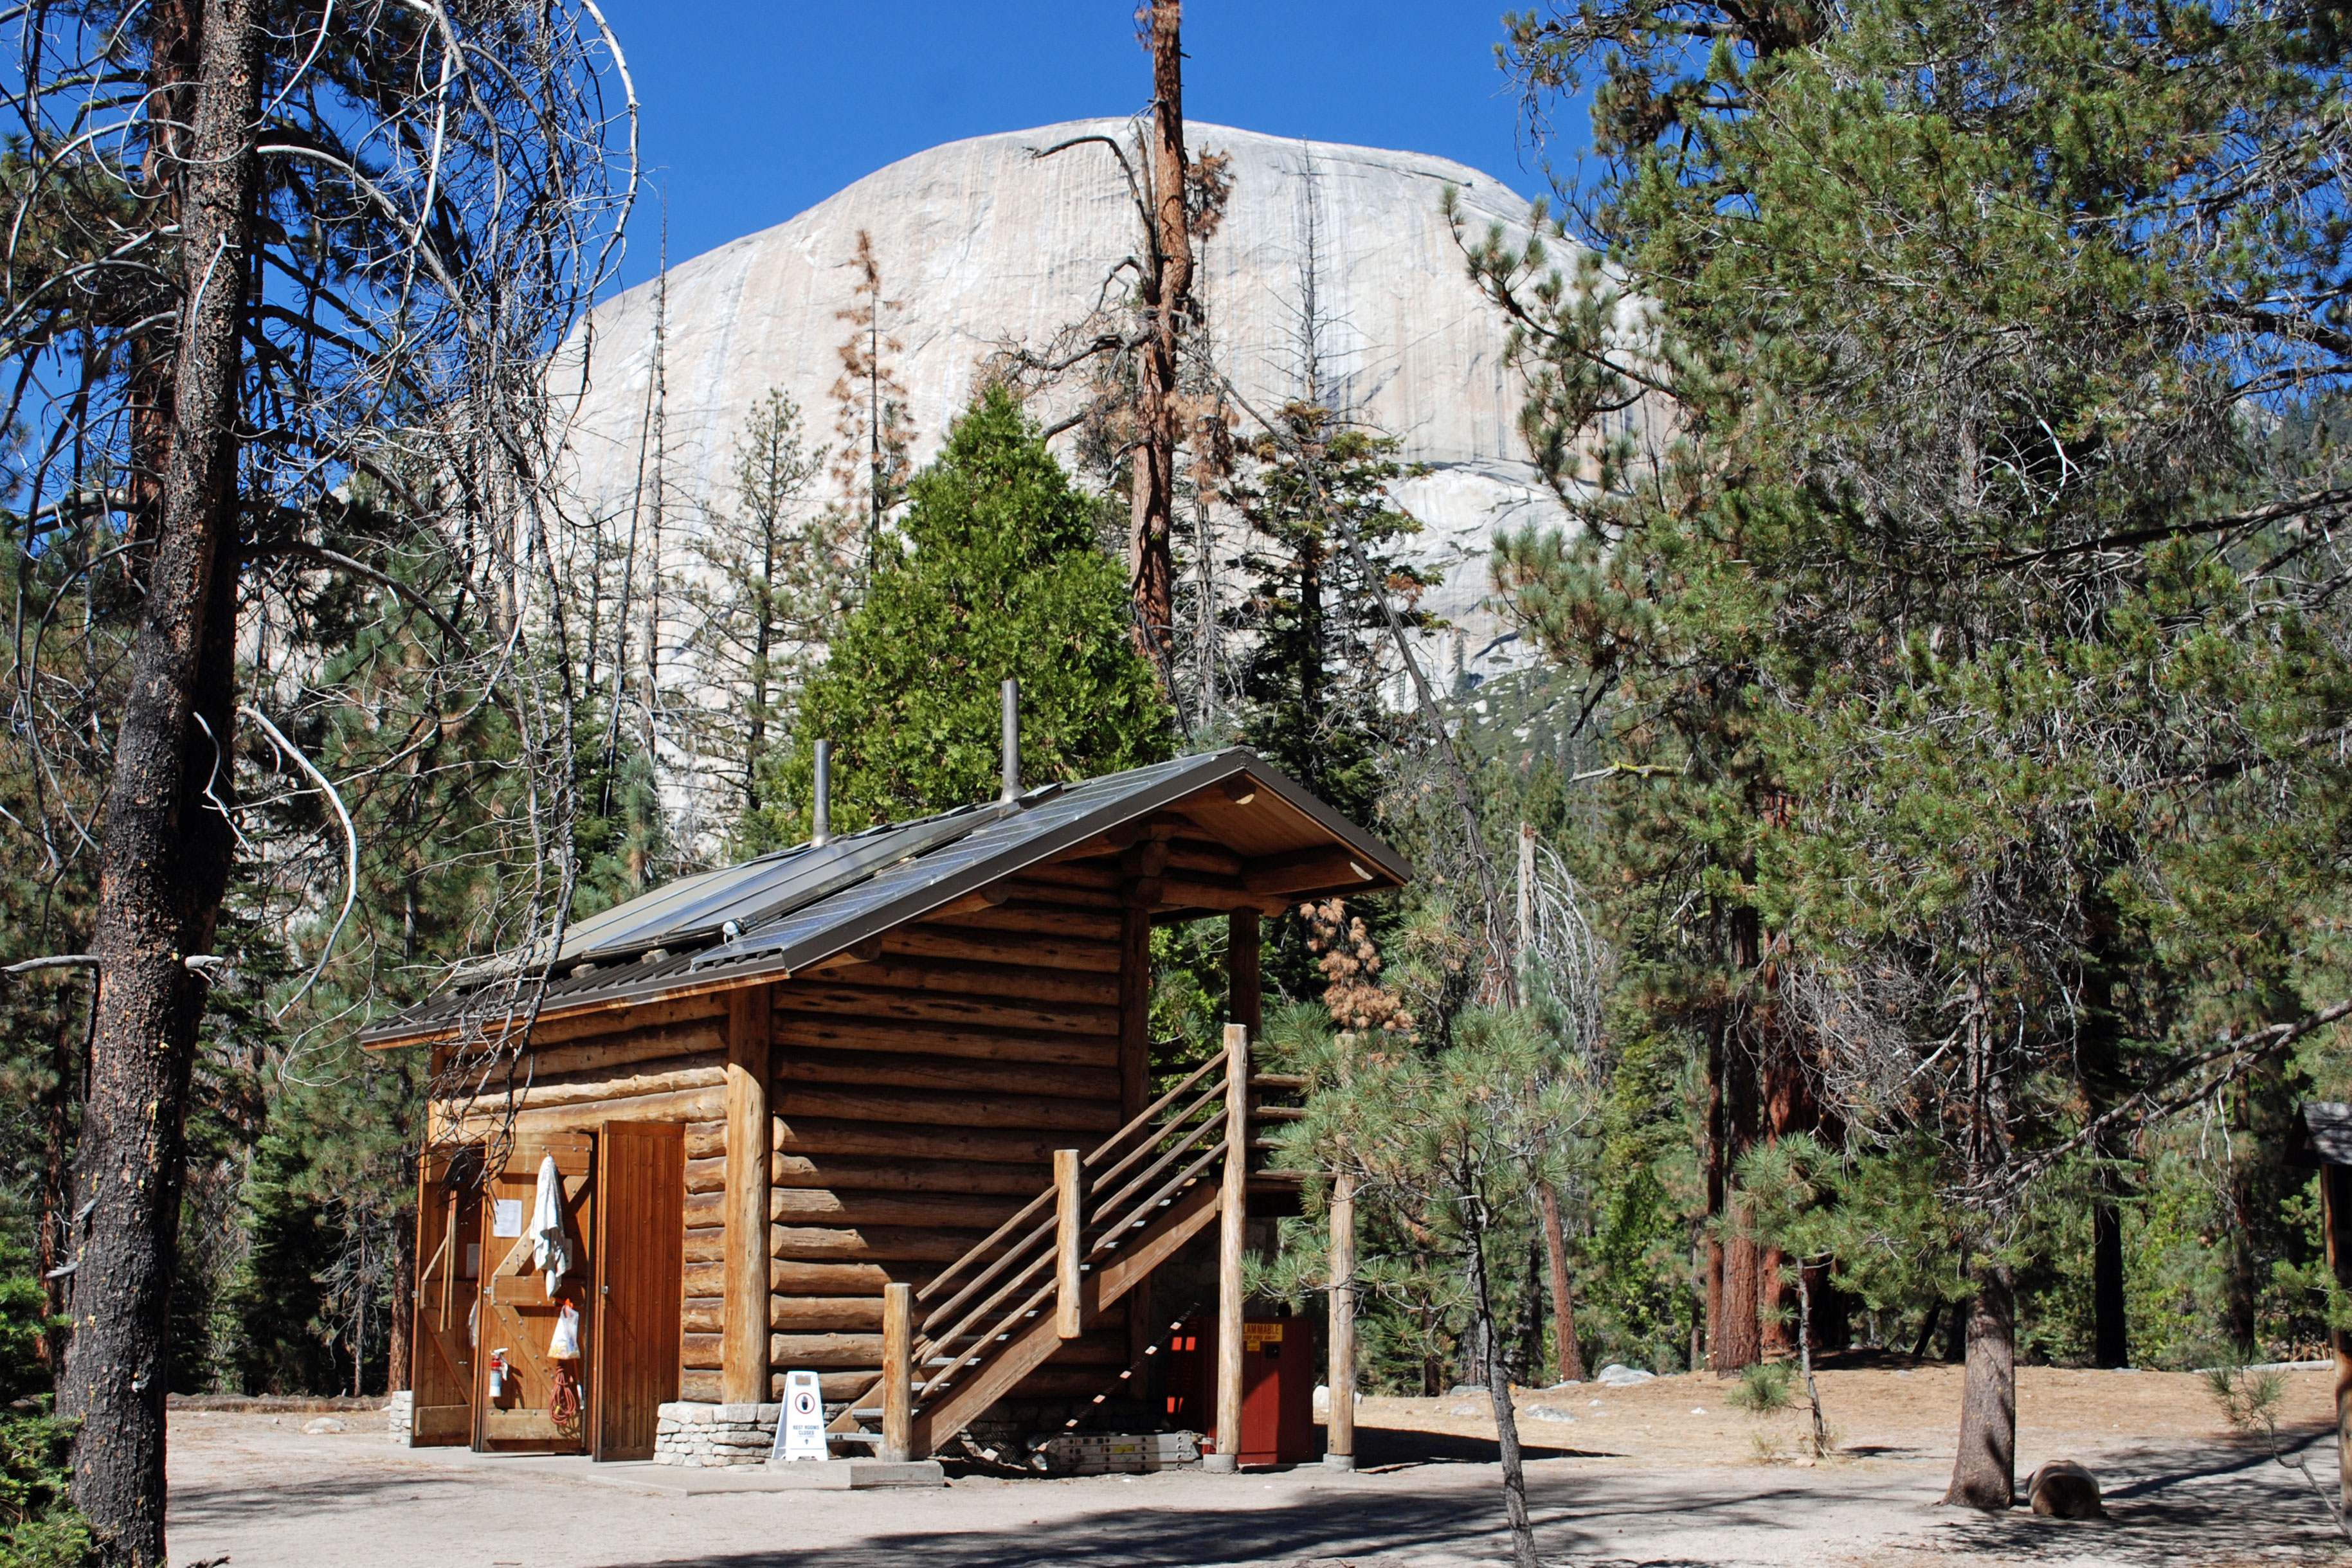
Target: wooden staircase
[{"x": 964, "y": 1341}]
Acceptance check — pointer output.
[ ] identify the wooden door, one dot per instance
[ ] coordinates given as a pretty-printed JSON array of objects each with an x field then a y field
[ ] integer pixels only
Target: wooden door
[
  {"x": 640, "y": 1276},
  {"x": 518, "y": 1315},
  {"x": 448, "y": 1252}
]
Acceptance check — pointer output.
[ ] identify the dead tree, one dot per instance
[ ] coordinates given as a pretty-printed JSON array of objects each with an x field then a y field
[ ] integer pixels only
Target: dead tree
[{"x": 275, "y": 269}]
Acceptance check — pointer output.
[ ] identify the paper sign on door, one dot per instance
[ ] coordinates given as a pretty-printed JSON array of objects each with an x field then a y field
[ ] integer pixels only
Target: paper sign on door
[{"x": 506, "y": 1216}]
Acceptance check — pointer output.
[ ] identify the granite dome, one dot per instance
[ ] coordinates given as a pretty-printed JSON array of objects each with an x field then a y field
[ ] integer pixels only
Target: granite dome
[{"x": 985, "y": 245}]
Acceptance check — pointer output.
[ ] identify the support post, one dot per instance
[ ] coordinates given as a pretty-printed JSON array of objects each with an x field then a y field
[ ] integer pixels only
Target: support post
[
  {"x": 2336, "y": 1226},
  {"x": 1232, "y": 1217},
  {"x": 743, "y": 1347},
  {"x": 1135, "y": 1077},
  {"x": 898, "y": 1373},
  {"x": 1244, "y": 988},
  {"x": 1340, "y": 1435},
  {"x": 1070, "y": 1273}
]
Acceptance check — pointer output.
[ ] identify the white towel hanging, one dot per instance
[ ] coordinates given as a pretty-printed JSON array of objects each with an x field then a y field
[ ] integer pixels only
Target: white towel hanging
[{"x": 550, "y": 1248}]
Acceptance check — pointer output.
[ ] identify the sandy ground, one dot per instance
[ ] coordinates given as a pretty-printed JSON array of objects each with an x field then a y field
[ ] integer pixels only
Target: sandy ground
[{"x": 1661, "y": 1475}]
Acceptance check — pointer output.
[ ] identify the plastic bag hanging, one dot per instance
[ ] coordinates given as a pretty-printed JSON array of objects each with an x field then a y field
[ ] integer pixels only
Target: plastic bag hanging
[{"x": 564, "y": 1344}]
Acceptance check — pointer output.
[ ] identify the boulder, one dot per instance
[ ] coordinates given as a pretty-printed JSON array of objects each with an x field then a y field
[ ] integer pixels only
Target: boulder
[
  {"x": 324, "y": 1424},
  {"x": 1616, "y": 1375},
  {"x": 1548, "y": 1413},
  {"x": 2064, "y": 1490}
]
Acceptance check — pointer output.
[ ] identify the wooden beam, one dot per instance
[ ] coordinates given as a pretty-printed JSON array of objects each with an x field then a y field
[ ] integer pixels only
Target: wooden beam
[
  {"x": 898, "y": 1374},
  {"x": 1232, "y": 1206},
  {"x": 743, "y": 1366},
  {"x": 853, "y": 1034},
  {"x": 893, "y": 1070},
  {"x": 1314, "y": 870}
]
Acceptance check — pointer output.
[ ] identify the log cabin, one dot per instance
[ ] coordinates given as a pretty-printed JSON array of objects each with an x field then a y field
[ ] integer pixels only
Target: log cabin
[{"x": 879, "y": 1106}]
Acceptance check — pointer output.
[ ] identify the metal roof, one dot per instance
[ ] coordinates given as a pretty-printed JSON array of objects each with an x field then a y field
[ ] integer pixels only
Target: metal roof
[
  {"x": 796, "y": 907},
  {"x": 2327, "y": 1134}
]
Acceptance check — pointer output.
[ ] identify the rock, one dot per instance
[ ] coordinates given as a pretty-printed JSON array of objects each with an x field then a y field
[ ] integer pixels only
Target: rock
[
  {"x": 2064, "y": 1490},
  {"x": 1548, "y": 1413},
  {"x": 1473, "y": 1390},
  {"x": 1466, "y": 1410},
  {"x": 324, "y": 1424},
  {"x": 1616, "y": 1375},
  {"x": 987, "y": 245}
]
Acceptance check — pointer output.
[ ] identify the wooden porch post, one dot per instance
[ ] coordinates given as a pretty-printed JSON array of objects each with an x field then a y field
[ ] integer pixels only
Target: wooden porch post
[
  {"x": 1232, "y": 1207},
  {"x": 1070, "y": 1223},
  {"x": 898, "y": 1373},
  {"x": 2336, "y": 1226},
  {"x": 743, "y": 1349},
  {"x": 1340, "y": 1434},
  {"x": 1135, "y": 1085},
  {"x": 1245, "y": 988}
]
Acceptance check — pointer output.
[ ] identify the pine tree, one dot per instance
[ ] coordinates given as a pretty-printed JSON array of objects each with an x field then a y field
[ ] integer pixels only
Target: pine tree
[
  {"x": 778, "y": 576},
  {"x": 1326, "y": 549},
  {"x": 993, "y": 573},
  {"x": 1960, "y": 641}
]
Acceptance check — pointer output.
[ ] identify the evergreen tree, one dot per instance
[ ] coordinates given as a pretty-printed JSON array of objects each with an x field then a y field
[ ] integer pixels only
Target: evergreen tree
[
  {"x": 1326, "y": 549},
  {"x": 1961, "y": 643},
  {"x": 993, "y": 573},
  {"x": 777, "y": 581}
]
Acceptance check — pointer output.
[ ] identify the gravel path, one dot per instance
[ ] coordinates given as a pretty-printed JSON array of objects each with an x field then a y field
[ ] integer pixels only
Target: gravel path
[{"x": 263, "y": 1493}]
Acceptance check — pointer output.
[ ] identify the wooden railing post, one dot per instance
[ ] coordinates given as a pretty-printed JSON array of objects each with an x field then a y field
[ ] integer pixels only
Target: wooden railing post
[
  {"x": 898, "y": 1373},
  {"x": 1069, "y": 1206},
  {"x": 1232, "y": 1217}
]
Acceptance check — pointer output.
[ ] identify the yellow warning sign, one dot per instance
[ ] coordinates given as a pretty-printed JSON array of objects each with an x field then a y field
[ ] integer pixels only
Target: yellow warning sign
[{"x": 1255, "y": 1335}]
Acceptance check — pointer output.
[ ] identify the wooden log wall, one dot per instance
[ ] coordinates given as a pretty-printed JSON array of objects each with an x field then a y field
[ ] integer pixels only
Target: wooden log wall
[{"x": 919, "y": 1095}]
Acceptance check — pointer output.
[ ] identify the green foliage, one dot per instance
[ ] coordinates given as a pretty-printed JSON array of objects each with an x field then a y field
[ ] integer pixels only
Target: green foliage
[
  {"x": 994, "y": 573},
  {"x": 1763, "y": 1388},
  {"x": 39, "y": 1528},
  {"x": 2248, "y": 1397}
]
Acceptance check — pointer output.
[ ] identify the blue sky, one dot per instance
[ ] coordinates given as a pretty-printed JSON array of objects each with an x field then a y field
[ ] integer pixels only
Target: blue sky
[{"x": 755, "y": 112}]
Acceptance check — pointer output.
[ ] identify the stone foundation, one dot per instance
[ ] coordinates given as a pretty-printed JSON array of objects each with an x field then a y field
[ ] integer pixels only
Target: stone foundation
[
  {"x": 695, "y": 1434},
  {"x": 400, "y": 1416}
]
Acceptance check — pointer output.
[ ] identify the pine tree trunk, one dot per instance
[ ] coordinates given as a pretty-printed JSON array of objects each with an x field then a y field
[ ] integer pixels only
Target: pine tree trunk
[
  {"x": 1984, "y": 1472},
  {"x": 167, "y": 855},
  {"x": 1169, "y": 293},
  {"x": 403, "y": 1302},
  {"x": 1498, "y": 1379},
  {"x": 2111, "y": 1343},
  {"x": 1570, "y": 1358},
  {"x": 55, "y": 1243}
]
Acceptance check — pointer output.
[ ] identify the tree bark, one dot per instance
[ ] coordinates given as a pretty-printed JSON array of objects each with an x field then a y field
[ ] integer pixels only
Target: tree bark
[
  {"x": 167, "y": 852},
  {"x": 1168, "y": 295},
  {"x": 2111, "y": 1343},
  {"x": 1984, "y": 1472},
  {"x": 1498, "y": 1379},
  {"x": 1570, "y": 1358},
  {"x": 403, "y": 1303},
  {"x": 55, "y": 1243}
]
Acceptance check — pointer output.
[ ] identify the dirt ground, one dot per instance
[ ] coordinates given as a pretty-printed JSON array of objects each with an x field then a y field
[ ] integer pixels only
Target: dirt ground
[{"x": 1661, "y": 1475}]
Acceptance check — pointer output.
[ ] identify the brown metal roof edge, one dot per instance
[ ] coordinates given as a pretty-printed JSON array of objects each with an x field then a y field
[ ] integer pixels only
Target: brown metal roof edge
[
  {"x": 390, "y": 1035},
  {"x": 1178, "y": 786},
  {"x": 1214, "y": 769}
]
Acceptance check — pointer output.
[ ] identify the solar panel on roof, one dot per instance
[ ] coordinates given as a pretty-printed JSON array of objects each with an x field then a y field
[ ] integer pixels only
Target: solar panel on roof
[{"x": 798, "y": 906}]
